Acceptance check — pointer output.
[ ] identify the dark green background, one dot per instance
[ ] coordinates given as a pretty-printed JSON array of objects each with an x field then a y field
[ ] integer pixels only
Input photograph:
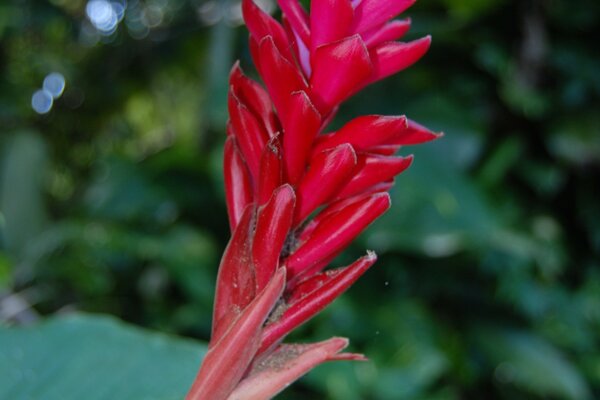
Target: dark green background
[{"x": 488, "y": 284}]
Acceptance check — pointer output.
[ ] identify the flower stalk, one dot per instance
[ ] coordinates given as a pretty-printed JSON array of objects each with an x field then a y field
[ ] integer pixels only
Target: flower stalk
[{"x": 297, "y": 194}]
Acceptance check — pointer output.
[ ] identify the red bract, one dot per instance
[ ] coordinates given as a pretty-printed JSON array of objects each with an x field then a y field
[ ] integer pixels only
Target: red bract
[{"x": 297, "y": 195}]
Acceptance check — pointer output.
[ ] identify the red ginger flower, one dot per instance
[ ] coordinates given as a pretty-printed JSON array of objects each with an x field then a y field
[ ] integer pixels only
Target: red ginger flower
[{"x": 281, "y": 167}]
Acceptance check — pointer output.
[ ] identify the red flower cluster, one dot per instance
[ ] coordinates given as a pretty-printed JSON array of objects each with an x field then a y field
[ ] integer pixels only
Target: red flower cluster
[{"x": 281, "y": 169}]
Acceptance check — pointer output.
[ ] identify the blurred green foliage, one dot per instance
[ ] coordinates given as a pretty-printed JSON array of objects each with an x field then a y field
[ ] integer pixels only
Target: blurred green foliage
[{"x": 488, "y": 284}]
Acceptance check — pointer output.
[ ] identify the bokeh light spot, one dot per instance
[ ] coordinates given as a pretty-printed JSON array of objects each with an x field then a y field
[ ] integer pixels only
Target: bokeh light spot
[
  {"x": 54, "y": 84},
  {"x": 42, "y": 101},
  {"x": 105, "y": 15}
]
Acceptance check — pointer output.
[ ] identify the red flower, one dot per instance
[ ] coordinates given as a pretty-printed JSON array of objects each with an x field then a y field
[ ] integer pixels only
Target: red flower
[{"x": 281, "y": 166}]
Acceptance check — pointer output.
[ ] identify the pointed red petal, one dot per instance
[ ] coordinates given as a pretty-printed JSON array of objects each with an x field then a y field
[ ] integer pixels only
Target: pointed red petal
[
  {"x": 271, "y": 170},
  {"x": 250, "y": 133},
  {"x": 415, "y": 134},
  {"x": 314, "y": 297},
  {"x": 374, "y": 169},
  {"x": 338, "y": 68},
  {"x": 310, "y": 285},
  {"x": 335, "y": 233},
  {"x": 385, "y": 150},
  {"x": 300, "y": 128},
  {"x": 364, "y": 132},
  {"x": 261, "y": 25},
  {"x": 339, "y": 205},
  {"x": 228, "y": 359},
  {"x": 238, "y": 188},
  {"x": 235, "y": 281},
  {"x": 254, "y": 97},
  {"x": 297, "y": 16},
  {"x": 287, "y": 364},
  {"x": 392, "y": 57},
  {"x": 281, "y": 77},
  {"x": 330, "y": 21},
  {"x": 329, "y": 171},
  {"x": 273, "y": 223},
  {"x": 372, "y": 13},
  {"x": 390, "y": 31}
]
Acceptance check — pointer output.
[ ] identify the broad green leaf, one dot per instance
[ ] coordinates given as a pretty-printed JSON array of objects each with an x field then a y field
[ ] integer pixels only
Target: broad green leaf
[{"x": 94, "y": 358}]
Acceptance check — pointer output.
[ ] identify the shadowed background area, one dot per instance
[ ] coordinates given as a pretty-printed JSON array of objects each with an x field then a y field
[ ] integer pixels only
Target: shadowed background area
[{"x": 112, "y": 117}]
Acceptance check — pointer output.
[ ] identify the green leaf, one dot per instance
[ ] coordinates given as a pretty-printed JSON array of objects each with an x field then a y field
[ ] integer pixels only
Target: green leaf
[{"x": 94, "y": 357}]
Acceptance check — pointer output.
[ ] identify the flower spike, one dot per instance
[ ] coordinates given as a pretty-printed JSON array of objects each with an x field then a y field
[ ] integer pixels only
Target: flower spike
[{"x": 296, "y": 197}]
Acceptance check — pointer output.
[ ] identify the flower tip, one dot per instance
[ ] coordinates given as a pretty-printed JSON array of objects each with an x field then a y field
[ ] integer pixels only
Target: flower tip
[
  {"x": 426, "y": 40},
  {"x": 404, "y": 119},
  {"x": 236, "y": 69},
  {"x": 268, "y": 40},
  {"x": 371, "y": 256},
  {"x": 384, "y": 199},
  {"x": 347, "y": 150},
  {"x": 339, "y": 343},
  {"x": 407, "y": 162},
  {"x": 287, "y": 191}
]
